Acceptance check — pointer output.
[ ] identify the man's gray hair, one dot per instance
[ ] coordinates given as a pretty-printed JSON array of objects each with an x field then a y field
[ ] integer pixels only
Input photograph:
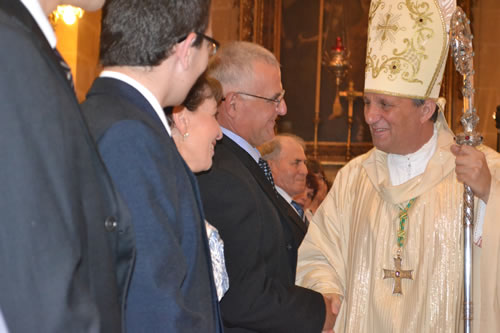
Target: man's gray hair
[
  {"x": 271, "y": 150},
  {"x": 233, "y": 63}
]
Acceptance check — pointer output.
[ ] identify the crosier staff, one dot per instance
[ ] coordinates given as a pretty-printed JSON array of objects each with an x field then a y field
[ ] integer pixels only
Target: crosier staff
[{"x": 462, "y": 53}]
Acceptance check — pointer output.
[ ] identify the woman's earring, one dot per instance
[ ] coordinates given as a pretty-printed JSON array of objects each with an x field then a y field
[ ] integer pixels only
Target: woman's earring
[{"x": 185, "y": 136}]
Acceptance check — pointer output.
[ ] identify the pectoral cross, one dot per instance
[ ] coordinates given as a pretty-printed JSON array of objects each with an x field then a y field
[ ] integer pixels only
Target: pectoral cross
[
  {"x": 351, "y": 95},
  {"x": 397, "y": 275}
]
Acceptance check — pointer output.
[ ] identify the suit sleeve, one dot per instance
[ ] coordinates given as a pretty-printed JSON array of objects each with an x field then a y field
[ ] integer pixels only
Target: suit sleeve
[
  {"x": 256, "y": 300},
  {"x": 142, "y": 170},
  {"x": 44, "y": 274}
]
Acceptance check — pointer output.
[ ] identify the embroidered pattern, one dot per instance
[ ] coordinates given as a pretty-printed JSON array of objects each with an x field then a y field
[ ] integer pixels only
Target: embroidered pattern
[
  {"x": 406, "y": 63},
  {"x": 387, "y": 28}
]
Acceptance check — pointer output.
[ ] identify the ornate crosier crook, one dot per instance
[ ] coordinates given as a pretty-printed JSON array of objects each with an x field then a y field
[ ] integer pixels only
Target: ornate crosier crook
[{"x": 462, "y": 53}]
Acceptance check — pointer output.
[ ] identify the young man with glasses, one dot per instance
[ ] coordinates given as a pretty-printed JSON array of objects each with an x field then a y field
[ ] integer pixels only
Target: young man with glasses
[
  {"x": 261, "y": 231},
  {"x": 152, "y": 52}
]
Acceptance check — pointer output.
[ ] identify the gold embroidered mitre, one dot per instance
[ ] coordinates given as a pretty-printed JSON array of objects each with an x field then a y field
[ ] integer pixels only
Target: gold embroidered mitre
[{"x": 407, "y": 47}]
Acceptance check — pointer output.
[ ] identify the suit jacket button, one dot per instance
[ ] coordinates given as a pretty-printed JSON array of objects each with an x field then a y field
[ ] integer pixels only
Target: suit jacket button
[
  {"x": 289, "y": 247},
  {"x": 110, "y": 224}
]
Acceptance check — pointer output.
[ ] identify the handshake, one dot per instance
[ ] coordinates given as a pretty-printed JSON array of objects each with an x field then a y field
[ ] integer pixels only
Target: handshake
[{"x": 332, "y": 306}]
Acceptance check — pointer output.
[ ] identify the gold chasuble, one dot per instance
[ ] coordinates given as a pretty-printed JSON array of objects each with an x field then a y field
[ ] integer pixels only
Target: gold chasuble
[{"x": 352, "y": 239}]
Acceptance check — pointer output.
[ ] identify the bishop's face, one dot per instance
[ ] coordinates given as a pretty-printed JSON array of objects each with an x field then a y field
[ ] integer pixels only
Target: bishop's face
[{"x": 396, "y": 124}]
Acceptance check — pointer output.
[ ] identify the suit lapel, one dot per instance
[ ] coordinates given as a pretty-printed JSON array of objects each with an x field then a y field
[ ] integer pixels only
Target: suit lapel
[
  {"x": 117, "y": 88},
  {"x": 16, "y": 10},
  {"x": 292, "y": 214},
  {"x": 252, "y": 166},
  {"x": 283, "y": 207},
  {"x": 120, "y": 89}
]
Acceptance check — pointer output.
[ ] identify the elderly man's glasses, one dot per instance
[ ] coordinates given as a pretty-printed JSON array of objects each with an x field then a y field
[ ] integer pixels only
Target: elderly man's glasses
[
  {"x": 277, "y": 100},
  {"x": 213, "y": 45}
]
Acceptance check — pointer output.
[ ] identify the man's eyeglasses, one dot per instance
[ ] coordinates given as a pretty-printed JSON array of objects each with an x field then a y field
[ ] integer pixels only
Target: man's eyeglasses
[
  {"x": 276, "y": 100},
  {"x": 213, "y": 45}
]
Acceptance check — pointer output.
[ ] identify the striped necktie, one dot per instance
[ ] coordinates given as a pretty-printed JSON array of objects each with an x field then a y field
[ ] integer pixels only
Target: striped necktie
[
  {"x": 65, "y": 67},
  {"x": 267, "y": 171},
  {"x": 298, "y": 208}
]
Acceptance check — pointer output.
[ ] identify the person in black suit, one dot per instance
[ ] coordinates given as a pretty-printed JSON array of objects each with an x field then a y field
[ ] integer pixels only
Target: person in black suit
[
  {"x": 152, "y": 52},
  {"x": 60, "y": 215},
  {"x": 287, "y": 160},
  {"x": 260, "y": 238}
]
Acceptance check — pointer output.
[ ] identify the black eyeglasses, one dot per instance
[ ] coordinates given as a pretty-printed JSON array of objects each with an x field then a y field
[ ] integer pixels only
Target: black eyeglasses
[
  {"x": 276, "y": 100},
  {"x": 213, "y": 45}
]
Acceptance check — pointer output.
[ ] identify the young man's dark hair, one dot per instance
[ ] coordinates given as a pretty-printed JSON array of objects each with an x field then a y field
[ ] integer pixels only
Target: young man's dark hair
[{"x": 143, "y": 32}]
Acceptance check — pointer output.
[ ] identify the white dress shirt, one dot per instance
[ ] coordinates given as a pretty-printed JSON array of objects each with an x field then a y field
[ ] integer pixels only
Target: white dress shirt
[
  {"x": 286, "y": 196},
  {"x": 36, "y": 11},
  {"x": 402, "y": 168},
  {"x": 254, "y": 152}
]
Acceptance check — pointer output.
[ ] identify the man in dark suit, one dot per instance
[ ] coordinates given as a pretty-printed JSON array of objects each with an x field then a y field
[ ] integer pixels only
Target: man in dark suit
[
  {"x": 59, "y": 211},
  {"x": 259, "y": 237},
  {"x": 152, "y": 52},
  {"x": 287, "y": 160}
]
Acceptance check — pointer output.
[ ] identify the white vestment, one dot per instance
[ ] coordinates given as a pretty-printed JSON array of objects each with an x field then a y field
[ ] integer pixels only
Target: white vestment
[{"x": 352, "y": 238}]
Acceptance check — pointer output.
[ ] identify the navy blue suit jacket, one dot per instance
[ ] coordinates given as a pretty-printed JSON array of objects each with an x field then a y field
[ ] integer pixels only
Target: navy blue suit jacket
[{"x": 172, "y": 287}]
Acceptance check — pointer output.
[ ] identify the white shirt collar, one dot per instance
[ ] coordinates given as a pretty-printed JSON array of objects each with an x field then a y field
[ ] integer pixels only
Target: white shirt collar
[
  {"x": 3, "y": 326},
  {"x": 254, "y": 152},
  {"x": 287, "y": 197},
  {"x": 148, "y": 95},
  {"x": 402, "y": 168},
  {"x": 283, "y": 193},
  {"x": 36, "y": 11}
]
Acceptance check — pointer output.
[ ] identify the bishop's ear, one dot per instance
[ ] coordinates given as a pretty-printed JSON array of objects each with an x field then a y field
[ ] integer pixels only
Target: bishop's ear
[{"x": 427, "y": 110}]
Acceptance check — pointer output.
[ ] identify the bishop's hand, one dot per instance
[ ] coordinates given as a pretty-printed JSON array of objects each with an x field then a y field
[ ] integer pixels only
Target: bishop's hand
[{"x": 472, "y": 170}]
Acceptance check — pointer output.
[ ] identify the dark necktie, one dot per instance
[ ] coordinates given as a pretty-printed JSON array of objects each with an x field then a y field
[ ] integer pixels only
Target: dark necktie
[
  {"x": 298, "y": 208},
  {"x": 267, "y": 171},
  {"x": 65, "y": 68}
]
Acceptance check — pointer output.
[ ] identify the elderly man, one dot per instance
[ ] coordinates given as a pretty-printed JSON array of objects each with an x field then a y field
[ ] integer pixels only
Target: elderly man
[
  {"x": 149, "y": 63},
  {"x": 287, "y": 160},
  {"x": 242, "y": 204},
  {"x": 387, "y": 240},
  {"x": 57, "y": 203}
]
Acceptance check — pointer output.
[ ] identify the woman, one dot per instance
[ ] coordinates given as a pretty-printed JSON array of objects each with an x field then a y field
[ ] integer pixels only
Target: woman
[
  {"x": 195, "y": 131},
  {"x": 306, "y": 198},
  {"x": 314, "y": 167}
]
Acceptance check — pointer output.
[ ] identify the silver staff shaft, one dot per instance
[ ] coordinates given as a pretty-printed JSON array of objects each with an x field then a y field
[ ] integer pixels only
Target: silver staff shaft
[
  {"x": 462, "y": 52},
  {"x": 468, "y": 226}
]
